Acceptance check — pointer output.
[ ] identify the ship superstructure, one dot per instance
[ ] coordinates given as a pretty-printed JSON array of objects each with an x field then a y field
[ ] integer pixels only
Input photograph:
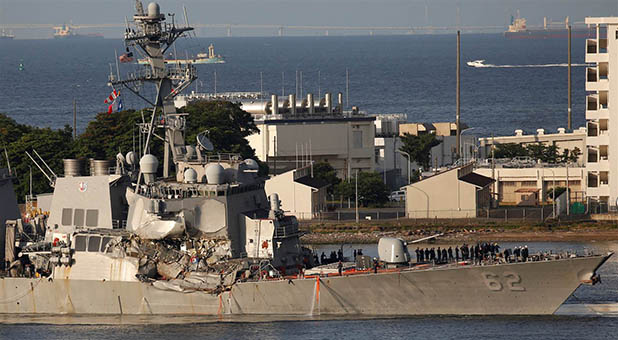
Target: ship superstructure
[
  {"x": 519, "y": 29},
  {"x": 200, "y": 58},
  {"x": 5, "y": 35},
  {"x": 69, "y": 32},
  {"x": 205, "y": 239}
]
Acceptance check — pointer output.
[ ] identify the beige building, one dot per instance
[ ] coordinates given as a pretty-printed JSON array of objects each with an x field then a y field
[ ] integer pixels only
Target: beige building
[
  {"x": 454, "y": 193},
  {"x": 528, "y": 186},
  {"x": 602, "y": 111},
  {"x": 562, "y": 139},
  {"x": 346, "y": 142},
  {"x": 300, "y": 194}
]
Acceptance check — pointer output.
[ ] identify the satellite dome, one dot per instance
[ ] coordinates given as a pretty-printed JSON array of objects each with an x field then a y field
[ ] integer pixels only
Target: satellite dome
[
  {"x": 190, "y": 175},
  {"x": 131, "y": 158},
  {"x": 148, "y": 164},
  {"x": 153, "y": 10},
  {"x": 215, "y": 174},
  {"x": 252, "y": 164}
]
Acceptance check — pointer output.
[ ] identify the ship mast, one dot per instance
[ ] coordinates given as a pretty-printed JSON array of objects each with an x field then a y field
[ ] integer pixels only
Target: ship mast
[{"x": 153, "y": 36}]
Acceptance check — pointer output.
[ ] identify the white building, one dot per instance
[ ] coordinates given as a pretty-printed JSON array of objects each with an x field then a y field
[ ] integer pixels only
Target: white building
[
  {"x": 561, "y": 139},
  {"x": 514, "y": 186},
  {"x": 602, "y": 111},
  {"x": 345, "y": 142},
  {"x": 301, "y": 194}
]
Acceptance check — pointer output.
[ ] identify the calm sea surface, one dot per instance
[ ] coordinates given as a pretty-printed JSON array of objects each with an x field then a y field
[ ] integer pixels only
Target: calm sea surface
[{"x": 388, "y": 74}]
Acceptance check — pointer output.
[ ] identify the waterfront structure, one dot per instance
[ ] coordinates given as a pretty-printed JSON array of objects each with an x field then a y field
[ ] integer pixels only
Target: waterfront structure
[
  {"x": 301, "y": 194},
  {"x": 530, "y": 185},
  {"x": 561, "y": 139},
  {"x": 455, "y": 193},
  {"x": 602, "y": 112}
]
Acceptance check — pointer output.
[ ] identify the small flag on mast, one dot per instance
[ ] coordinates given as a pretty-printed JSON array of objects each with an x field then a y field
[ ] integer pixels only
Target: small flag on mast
[
  {"x": 114, "y": 101},
  {"x": 112, "y": 97}
]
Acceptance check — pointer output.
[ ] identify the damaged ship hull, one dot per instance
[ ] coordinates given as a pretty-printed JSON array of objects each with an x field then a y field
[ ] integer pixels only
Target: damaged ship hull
[{"x": 531, "y": 288}]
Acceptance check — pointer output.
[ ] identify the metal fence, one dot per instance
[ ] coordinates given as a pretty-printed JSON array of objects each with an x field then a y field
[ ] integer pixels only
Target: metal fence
[{"x": 506, "y": 214}]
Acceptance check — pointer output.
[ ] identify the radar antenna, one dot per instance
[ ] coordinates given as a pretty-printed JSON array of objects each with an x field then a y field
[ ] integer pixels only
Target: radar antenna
[
  {"x": 152, "y": 36},
  {"x": 139, "y": 8}
]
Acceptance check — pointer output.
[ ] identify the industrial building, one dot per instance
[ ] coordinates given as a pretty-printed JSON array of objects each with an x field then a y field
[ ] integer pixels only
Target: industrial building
[
  {"x": 602, "y": 111},
  {"x": 313, "y": 131},
  {"x": 455, "y": 193}
]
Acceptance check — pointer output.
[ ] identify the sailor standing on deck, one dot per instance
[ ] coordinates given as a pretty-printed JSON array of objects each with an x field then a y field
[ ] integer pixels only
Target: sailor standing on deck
[{"x": 340, "y": 268}]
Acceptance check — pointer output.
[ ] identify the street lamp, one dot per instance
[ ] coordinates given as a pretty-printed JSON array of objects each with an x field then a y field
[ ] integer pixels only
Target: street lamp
[{"x": 407, "y": 155}]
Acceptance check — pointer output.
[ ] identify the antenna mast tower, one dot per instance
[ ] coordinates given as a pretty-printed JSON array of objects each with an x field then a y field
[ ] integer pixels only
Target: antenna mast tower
[{"x": 151, "y": 36}]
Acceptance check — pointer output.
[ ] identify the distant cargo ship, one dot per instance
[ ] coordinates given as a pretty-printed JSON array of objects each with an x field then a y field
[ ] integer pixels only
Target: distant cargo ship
[
  {"x": 68, "y": 32},
  {"x": 519, "y": 30},
  {"x": 6, "y": 36},
  {"x": 200, "y": 58}
]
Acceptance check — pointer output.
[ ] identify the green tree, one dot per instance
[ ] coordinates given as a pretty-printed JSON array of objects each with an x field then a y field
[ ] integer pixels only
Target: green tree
[
  {"x": 227, "y": 124},
  {"x": 571, "y": 156},
  {"x": 371, "y": 189},
  {"x": 52, "y": 145},
  {"x": 325, "y": 172},
  {"x": 419, "y": 147},
  {"x": 109, "y": 134},
  {"x": 509, "y": 150}
]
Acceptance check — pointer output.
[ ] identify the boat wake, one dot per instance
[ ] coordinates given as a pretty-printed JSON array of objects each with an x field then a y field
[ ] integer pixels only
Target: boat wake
[{"x": 481, "y": 64}]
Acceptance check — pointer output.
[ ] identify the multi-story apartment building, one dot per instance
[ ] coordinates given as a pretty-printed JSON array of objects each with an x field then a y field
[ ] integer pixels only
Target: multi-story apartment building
[{"x": 602, "y": 111}]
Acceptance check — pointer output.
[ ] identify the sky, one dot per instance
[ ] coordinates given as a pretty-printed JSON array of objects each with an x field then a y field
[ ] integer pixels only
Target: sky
[{"x": 302, "y": 12}]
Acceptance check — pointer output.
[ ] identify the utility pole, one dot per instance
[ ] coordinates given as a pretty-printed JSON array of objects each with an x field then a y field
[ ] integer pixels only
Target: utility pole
[
  {"x": 356, "y": 190},
  {"x": 458, "y": 100},
  {"x": 74, "y": 119},
  {"x": 569, "y": 126}
]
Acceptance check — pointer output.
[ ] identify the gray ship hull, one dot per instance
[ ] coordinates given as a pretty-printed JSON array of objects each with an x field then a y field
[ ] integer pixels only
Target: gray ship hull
[{"x": 531, "y": 288}]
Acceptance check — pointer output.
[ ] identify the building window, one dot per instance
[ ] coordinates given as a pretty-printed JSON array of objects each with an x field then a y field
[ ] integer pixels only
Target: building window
[
  {"x": 357, "y": 139},
  {"x": 92, "y": 218},
  {"x": 94, "y": 244},
  {"x": 67, "y": 216},
  {"x": 528, "y": 183},
  {"x": 80, "y": 243},
  {"x": 104, "y": 243},
  {"x": 508, "y": 184},
  {"x": 78, "y": 218}
]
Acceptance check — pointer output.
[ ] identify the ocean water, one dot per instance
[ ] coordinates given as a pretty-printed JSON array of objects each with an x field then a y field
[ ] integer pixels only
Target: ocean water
[{"x": 411, "y": 74}]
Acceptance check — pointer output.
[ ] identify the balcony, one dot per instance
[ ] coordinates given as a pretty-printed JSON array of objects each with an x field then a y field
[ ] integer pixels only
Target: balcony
[
  {"x": 597, "y": 114},
  {"x": 597, "y": 85},
  {"x": 601, "y": 139},
  {"x": 601, "y": 165},
  {"x": 601, "y": 190},
  {"x": 596, "y": 51}
]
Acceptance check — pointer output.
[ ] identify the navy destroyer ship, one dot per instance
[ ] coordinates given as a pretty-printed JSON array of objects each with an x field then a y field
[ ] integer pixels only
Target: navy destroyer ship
[{"x": 206, "y": 240}]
